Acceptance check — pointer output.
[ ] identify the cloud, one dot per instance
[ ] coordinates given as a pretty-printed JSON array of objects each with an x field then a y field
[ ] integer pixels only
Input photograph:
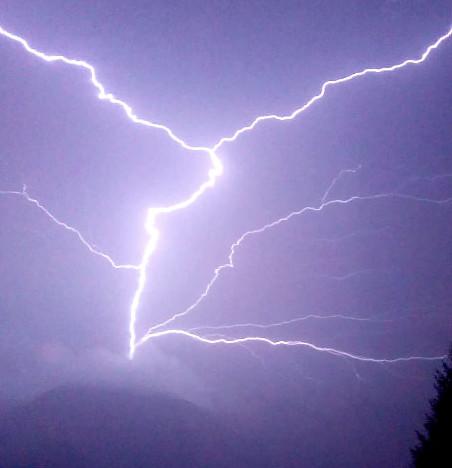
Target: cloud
[{"x": 54, "y": 364}]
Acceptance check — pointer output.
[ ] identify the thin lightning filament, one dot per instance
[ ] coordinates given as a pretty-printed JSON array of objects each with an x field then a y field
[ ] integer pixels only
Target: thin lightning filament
[{"x": 214, "y": 172}]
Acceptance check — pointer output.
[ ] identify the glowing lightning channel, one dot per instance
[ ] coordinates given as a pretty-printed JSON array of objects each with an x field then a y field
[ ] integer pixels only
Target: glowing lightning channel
[
  {"x": 230, "y": 263},
  {"x": 93, "y": 250},
  {"x": 260, "y": 339},
  {"x": 282, "y": 323},
  {"x": 336, "y": 180},
  {"x": 214, "y": 172},
  {"x": 236, "y": 244},
  {"x": 327, "y": 84},
  {"x": 102, "y": 94}
]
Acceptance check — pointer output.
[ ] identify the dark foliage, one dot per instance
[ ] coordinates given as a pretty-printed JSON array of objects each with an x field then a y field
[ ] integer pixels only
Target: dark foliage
[{"x": 434, "y": 449}]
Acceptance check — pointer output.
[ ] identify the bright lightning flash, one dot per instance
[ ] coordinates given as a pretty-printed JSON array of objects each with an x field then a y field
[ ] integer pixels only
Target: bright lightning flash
[
  {"x": 71, "y": 229},
  {"x": 215, "y": 171}
]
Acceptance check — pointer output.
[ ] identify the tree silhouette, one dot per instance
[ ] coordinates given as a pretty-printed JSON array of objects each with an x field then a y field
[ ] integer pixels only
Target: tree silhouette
[{"x": 434, "y": 449}]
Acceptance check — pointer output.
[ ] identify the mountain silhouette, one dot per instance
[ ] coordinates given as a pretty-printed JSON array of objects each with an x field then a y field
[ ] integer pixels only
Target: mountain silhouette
[{"x": 99, "y": 427}]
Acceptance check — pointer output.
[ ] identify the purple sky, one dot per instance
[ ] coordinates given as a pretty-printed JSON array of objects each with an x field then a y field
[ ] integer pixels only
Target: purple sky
[{"x": 206, "y": 69}]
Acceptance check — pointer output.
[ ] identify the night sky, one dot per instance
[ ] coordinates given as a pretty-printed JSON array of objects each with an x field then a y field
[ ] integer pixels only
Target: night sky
[{"x": 376, "y": 271}]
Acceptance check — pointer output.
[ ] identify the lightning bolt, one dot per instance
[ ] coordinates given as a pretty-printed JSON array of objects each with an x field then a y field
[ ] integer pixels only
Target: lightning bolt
[
  {"x": 71, "y": 229},
  {"x": 260, "y": 339},
  {"x": 233, "y": 250},
  {"x": 290, "y": 322},
  {"x": 214, "y": 172}
]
